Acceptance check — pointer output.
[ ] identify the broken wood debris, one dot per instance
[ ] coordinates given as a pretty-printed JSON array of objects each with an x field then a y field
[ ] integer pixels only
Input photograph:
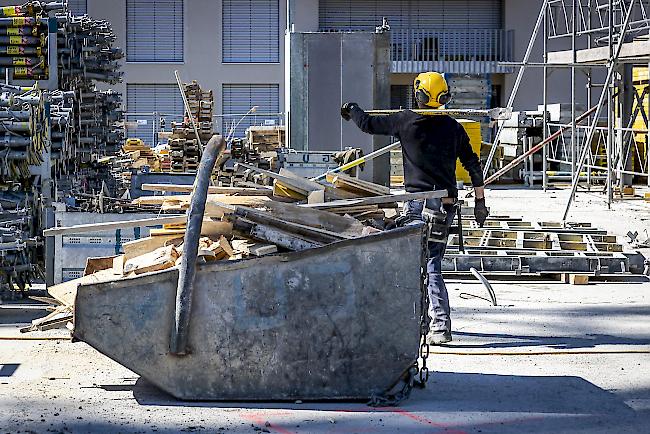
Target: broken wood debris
[{"x": 239, "y": 223}]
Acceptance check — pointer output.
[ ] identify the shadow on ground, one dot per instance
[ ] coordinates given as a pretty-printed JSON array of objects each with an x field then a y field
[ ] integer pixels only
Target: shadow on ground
[
  {"x": 446, "y": 391},
  {"x": 504, "y": 340}
]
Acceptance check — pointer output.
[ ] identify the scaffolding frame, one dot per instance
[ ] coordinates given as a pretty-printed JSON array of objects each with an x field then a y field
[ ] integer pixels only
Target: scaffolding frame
[{"x": 610, "y": 35}]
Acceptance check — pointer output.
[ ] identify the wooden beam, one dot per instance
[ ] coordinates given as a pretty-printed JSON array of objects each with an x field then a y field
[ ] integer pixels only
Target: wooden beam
[
  {"x": 272, "y": 235},
  {"x": 315, "y": 218},
  {"x": 288, "y": 178},
  {"x": 109, "y": 226},
  {"x": 178, "y": 188},
  {"x": 377, "y": 199},
  {"x": 264, "y": 218}
]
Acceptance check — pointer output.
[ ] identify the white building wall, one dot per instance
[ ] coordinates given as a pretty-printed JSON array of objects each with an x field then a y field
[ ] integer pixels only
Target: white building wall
[
  {"x": 202, "y": 51},
  {"x": 203, "y": 62},
  {"x": 521, "y": 16}
]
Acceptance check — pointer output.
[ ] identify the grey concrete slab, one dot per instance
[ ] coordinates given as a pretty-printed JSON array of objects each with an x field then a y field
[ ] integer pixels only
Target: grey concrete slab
[
  {"x": 503, "y": 387},
  {"x": 513, "y": 368}
]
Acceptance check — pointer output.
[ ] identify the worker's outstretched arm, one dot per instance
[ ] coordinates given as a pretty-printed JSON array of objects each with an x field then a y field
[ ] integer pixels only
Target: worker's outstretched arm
[
  {"x": 387, "y": 125},
  {"x": 472, "y": 164}
]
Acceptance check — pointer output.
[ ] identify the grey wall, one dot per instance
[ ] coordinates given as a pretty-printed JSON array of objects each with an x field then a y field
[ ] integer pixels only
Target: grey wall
[
  {"x": 520, "y": 16},
  {"x": 328, "y": 69},
  {"x": 202, "y": 53}
]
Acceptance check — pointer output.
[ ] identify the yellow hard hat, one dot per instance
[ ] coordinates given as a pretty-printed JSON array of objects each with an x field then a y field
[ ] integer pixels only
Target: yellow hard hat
[{"x": 431, "y": 89}]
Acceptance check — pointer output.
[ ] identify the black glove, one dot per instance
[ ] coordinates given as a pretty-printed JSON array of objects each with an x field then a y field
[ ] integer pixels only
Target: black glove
[
  {"x": 481, "y": 212},
  {"x": 346, "y": 108}
]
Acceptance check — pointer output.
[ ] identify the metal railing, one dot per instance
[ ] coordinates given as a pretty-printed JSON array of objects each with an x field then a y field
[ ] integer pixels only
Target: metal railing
[
  {"x": 146, "y": 126},
  {"x": 592, "y": 18},
  {"x": 462, "y": 51}
]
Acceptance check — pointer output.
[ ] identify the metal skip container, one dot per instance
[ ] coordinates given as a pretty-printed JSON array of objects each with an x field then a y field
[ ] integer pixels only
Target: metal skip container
[{"x": 340, "y": 321}]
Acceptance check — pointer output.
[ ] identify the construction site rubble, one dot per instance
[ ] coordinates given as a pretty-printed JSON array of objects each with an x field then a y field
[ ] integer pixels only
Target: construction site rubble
[{"x": 57, "y": 130}]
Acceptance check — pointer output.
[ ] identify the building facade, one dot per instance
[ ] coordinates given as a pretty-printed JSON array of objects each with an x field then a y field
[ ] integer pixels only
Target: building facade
[{"x": 237, "y": 49}]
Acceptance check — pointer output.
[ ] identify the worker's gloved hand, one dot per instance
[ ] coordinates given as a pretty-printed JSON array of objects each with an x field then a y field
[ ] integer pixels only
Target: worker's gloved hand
[
  {"x": 346, "y": 108},
  {"x": 481, "y": 212}
]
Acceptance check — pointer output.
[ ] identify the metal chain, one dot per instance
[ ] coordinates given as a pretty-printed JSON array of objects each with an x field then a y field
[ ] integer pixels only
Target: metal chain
[
  {"x": 424, "y": 305},
  {"x": 416, "y": 375},
  {"x": 392, "y": 400}
]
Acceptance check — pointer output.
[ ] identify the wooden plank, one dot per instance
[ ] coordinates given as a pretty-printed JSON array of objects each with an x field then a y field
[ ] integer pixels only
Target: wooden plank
[
  {"x": 254, "y": 249},
  {"x": 110, "y": 226},
  {"x": 356, "y": 185},
  {"x": 576, "y": 279},
  {"x": 272, "y": 235},
  {"x": 209, "y": 228},
  {"x": 94, "y": 265},
  {"x": 264, "y": 218},
  {"x": 46, "y": 300},
  {"x": 281, "y": 190},
  {"x": 288, "y": 178},
  {"x": 315, "y": 218},
  {"x": 144, "y": 245},
  {"x": 362, "y": 201},
  {"x": 222, "y": 249},
  {"x": 331, "y": 193},
  {"x": 160, "y": 259},
  {"x": 67, "y": 291},
  {"x": 178, "y": 188}
]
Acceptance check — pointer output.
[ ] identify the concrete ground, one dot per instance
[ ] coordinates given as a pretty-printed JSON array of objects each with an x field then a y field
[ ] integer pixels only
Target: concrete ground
[{"x": 550, "y": 357}]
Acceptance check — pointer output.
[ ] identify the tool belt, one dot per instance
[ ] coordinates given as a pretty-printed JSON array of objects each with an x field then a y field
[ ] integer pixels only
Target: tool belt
[{"x": 437, "y": 220}]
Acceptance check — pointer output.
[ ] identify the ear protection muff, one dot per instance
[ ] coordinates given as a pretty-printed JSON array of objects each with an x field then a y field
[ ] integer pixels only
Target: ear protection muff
[
  {"x": 444, "y": 98},
  {"x": 421, "y": 95}
]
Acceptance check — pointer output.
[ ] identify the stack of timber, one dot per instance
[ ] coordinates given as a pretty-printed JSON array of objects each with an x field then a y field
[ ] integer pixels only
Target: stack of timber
[
  {"x": 136, "y": 155},
  {"x": 241, "y": 223},
  {"x": 184, "y": 147},
  {"x": 266, "y": 138},
  {"x": 260, "y": 148}
]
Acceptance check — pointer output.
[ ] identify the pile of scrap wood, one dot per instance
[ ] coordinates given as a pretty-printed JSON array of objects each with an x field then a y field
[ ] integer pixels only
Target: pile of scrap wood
[
  {"x": 140, "y": 155},
  {"x": 265, "y": 138},
  {"x": 243, "y": 223},
  {"x": 184, "y": 146}
]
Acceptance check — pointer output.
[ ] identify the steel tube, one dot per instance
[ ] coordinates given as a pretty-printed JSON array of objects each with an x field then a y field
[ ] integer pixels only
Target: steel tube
[
  {"x": 186, "y": 273},
  {"x": 603, "y": 95},
  {"x": 542, "y": 144}
]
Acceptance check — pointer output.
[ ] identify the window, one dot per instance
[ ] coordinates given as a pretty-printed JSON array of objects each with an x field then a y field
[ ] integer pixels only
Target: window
[
  {"x": 154, "y": 31},
  {"x": 238, "y": 99},
  {"x": 147, "y": 104},
  {"x": 251, "y": 31},
  {"x": 78, "y": 7},
  {"x": 410, "y": 14},
  {"x": 402, "y": 97}
]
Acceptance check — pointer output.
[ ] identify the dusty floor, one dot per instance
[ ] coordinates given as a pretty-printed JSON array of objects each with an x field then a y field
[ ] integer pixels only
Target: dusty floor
[{"x": 550, "y": 358}]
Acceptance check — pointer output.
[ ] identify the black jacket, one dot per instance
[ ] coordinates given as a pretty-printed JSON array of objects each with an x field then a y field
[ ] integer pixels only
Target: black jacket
[{"x": 430, "y": 146}]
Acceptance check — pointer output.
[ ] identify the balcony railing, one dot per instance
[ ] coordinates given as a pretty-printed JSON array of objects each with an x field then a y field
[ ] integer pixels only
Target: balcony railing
[{"x": 463, "y": 52}]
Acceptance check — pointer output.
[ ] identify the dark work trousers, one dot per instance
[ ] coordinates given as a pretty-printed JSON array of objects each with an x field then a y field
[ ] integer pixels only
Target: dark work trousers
[{"x": 439, "y": 312}]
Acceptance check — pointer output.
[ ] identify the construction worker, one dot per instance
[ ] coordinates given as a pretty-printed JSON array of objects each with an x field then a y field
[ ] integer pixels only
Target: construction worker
[{"x": 430, "y": 147}]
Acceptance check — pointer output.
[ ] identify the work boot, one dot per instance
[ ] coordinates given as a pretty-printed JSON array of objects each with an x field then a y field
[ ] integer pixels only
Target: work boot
[{"x": 438, "y": 338}]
